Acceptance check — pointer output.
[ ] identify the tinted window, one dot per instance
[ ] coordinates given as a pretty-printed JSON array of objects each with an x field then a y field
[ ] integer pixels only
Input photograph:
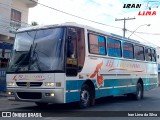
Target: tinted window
[
  {"x": 139, "y": 52},
  {"x": 81, "y": 48},
  {"x": 148, "y": 54},
  {"x": 153, "y": 55},
  {"x": 97, "y": 44},
  {"x": 114, "y": 47},
  {"x": 128, "y": 50}
]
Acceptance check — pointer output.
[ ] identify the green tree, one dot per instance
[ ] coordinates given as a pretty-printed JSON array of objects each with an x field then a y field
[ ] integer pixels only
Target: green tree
[{"x": 34, "y": 23}]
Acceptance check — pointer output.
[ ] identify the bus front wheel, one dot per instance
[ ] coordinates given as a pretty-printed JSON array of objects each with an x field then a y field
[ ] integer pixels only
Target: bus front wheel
[{"x": 85, "y": 96}]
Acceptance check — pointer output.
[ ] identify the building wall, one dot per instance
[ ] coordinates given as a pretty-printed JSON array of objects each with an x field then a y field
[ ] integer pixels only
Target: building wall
[
  {"x": 6, "y": 35},
  {"x": 5, "y": 9},
  {"x": 23, "y": 8},
  {"x": 5, "y": 16}
]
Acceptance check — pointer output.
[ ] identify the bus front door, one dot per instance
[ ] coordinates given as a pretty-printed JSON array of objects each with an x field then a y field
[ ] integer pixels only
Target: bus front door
[{"x": 71, "y": 52}]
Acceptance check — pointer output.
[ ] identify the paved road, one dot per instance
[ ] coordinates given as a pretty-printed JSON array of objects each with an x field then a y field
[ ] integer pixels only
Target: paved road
[{"x": 151, "y": 102}]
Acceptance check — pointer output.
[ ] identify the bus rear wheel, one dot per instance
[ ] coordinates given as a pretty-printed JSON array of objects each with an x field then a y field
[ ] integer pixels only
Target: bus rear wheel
[
  {"x": 139, "y": 91},
  {"x": 85, "y": 96}
]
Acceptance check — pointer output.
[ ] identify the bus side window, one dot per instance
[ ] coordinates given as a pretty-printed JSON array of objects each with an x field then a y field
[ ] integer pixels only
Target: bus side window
[
  {"x": 139, "y": 52},
  {"x": 97, "y": 44},
  {"x": 128, "y": 51},
  {"x": 114, "y": 47},
  {"x": 148, "y": 55},
  {"x": 153, "y": 55}
]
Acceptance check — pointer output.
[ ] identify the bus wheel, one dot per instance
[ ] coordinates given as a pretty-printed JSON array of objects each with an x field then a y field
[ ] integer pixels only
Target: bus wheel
[
  {"x": 41, "y": 104},
  {"x": 139, "y": 91},
  {"x": 85, "y": 96}
]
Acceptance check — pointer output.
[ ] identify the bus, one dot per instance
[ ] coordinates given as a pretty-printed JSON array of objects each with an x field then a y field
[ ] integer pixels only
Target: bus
[
  {"x": 70, "y": 62},
  {"x": 5, "y": 51}
]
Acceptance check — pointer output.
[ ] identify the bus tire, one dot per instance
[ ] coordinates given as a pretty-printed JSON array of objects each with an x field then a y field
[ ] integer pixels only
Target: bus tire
[
  {"x": 139, "y": 91},
  {"x": 40, "y": 104},
  {"x": 85, "y": 97}
]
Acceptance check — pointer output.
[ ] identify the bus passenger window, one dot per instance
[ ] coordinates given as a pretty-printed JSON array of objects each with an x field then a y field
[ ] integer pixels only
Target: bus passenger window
[
  {"x": 114, "y": 48},
  {"x": 128, "y": 50},
  {"x": 97, "y": 44},
  {"x": 148, "y": 55},
  {"x": 153, "y": 55},
  {"x": 139, "y": 52}
]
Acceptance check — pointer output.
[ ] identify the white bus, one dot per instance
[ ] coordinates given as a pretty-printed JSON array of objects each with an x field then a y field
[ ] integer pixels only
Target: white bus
[{"x": 70, "y": 62}]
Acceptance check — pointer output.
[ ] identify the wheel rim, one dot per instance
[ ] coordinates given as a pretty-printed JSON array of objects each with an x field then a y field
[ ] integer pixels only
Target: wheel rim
[{"x": 85, "y": 97}]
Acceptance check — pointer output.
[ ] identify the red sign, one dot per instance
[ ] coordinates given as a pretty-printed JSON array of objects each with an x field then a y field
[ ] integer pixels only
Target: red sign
[{"x": 147, "y": 13}]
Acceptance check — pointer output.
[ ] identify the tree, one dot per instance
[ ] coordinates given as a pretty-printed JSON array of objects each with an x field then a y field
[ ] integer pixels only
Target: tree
[{"x": 34, "y": 23}]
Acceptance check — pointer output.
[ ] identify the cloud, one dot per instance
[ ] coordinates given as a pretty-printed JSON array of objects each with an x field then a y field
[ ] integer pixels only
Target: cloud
[{"x": 104, "y": 11}]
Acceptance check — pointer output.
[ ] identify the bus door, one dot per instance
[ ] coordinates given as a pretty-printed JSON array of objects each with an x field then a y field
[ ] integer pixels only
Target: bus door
[{"x": 71, "y": 52}]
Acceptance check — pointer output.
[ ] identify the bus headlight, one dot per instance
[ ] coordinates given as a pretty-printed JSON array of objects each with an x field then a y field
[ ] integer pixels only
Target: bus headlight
[
  {"x": 10, "y": 93},
  {"x": 49, "y": 84},
  {"x": 11, "y": 84}
]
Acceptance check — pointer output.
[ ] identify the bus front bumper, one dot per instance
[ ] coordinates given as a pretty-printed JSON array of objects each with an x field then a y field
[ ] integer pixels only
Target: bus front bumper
[{"x": 36, "y": 95}]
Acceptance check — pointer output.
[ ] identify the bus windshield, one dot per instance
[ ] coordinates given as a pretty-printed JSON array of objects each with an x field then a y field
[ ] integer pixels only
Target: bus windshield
[{"x": 38, "y": 50}]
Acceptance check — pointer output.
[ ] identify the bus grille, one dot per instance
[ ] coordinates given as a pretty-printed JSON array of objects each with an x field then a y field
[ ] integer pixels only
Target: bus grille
[
  {"x": 29, "y": 95},
  {"x": 31, "y": 84}
]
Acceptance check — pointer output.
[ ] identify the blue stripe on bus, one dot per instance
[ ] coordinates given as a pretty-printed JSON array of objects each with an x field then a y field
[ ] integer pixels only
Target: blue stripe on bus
[
  {"x": 74, "y": 84},
  {"x": 120, "y": 84}
]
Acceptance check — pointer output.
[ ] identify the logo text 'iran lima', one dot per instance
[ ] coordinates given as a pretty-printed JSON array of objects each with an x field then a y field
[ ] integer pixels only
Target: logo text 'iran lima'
[{"x": 140, "y": 13}]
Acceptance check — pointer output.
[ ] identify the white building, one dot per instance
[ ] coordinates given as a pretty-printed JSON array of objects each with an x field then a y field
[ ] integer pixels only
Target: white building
[{"x": 13, "y": 14}]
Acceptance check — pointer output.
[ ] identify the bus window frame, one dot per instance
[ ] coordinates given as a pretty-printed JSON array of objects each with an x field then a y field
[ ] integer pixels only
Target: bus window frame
[
  {"x": 121, "y": 51},
  {"x": 105, "y": 43},
  {"x": 154, "y": 56},
  {"x": 146, "y": 55},
  {"x": 139, "y": 45}
]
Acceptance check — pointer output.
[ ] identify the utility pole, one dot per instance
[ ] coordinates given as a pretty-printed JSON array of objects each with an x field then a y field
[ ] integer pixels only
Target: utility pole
[{"x": 124, "y": 28}]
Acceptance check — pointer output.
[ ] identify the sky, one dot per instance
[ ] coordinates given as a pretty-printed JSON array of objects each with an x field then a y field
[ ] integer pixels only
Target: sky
[{"x": 103, "y": 11}]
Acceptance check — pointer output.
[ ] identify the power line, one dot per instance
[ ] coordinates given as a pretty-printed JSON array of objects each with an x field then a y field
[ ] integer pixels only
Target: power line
[
  {"x": 145, "y": 33},
  {"x": 145, "y": 39},
  {"x": 148, "y": 33},
  {"x": 75, "y": 15}
]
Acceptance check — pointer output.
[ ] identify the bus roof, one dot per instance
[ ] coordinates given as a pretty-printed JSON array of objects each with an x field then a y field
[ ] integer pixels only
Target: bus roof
[
  {"x": 49, "y": 26},
  {"x": 81, "y": 26}
]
